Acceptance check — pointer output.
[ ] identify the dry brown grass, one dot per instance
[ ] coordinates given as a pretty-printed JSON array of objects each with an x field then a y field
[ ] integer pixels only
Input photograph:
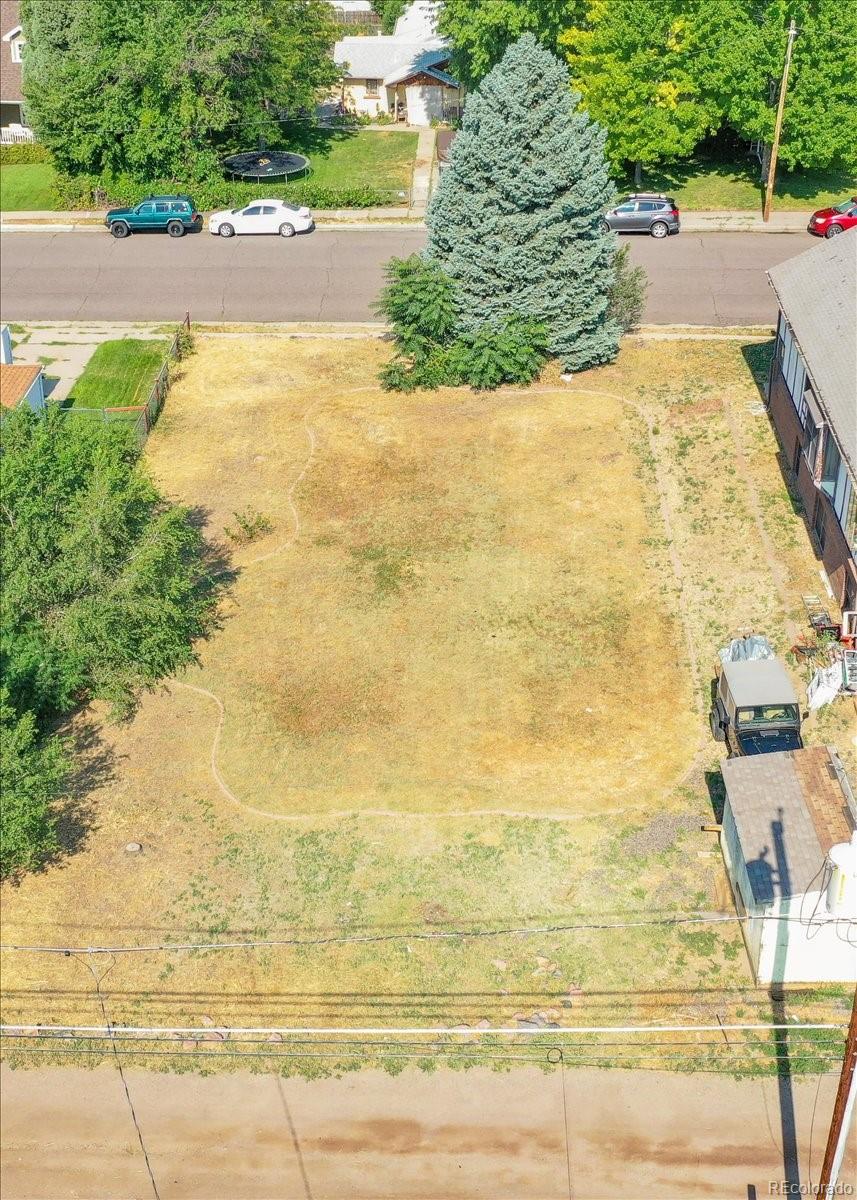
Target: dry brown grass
[
  {"x": 476, "y": 626},
  {"x": 461, "y": 609}
]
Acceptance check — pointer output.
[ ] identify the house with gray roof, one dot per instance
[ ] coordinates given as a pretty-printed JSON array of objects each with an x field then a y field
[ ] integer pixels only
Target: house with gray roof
[
  {"x": 404, "y": 74},
  {"x": 812, "y": 398},
  {"x": 790, "y": 849}
]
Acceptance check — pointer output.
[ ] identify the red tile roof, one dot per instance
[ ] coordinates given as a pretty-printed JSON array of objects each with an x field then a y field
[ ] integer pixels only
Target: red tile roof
[{"x": 16, "y": 379}]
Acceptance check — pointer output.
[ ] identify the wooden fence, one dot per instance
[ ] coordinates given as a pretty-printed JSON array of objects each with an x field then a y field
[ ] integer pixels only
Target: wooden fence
[{"x": 143, "y": 416}]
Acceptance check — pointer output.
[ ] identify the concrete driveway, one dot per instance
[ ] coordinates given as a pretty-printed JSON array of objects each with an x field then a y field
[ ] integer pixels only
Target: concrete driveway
[{"x": 335, "y": 275}]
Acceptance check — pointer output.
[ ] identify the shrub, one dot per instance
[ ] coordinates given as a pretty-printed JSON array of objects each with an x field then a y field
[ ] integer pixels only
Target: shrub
[
  {"x": 628, "y": 291},
  {"x": 89, "y": 191},
  {"x": 419, "y": 301},
  {"x": 514, "y": 352},
  {"x": 72, "y": 192},
  {"x": 430, "y": 370},
  {"x": 249, "y": 525},
  {"x": 21, "y": 153}
]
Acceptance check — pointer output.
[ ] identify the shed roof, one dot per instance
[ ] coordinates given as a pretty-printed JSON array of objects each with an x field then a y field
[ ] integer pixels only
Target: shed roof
[
  {"x": 379, "y": 57},
  {"x": 759, "y": 681},
  {"x": 16, "y": 379},
  {"x": 789, "y": 809},
  {"x": 817, "y": 291}
]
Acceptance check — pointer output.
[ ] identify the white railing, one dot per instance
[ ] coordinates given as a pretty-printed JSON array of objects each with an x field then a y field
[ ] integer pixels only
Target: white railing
[{"x": 16, "y": 133}]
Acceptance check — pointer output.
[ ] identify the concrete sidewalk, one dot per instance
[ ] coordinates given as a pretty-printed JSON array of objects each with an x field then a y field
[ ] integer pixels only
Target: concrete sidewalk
[{"x": 716, "y": 221}]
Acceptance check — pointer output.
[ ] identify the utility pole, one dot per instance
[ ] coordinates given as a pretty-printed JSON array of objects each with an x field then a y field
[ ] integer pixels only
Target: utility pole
[
  {"x": 843, "y": 1111},
  {"x": 772, "y": 165}
]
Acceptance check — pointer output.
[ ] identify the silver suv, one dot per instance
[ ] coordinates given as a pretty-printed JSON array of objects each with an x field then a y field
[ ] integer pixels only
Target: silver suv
[{"x": 644, "y": 212}]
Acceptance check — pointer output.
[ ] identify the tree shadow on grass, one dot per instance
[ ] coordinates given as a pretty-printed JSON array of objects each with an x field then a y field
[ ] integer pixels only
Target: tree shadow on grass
[
  {"x": 217, "y": 571},
  {"x": 798, "y": 185},
  {"x": 303, "y": 137},
  {"x": 91, "y": 766}
]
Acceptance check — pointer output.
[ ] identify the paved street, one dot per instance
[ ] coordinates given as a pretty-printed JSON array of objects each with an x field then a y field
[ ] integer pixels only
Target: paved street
[
  {"x": 335, "y": 275},
  {"x": 479, "y": 1135}
]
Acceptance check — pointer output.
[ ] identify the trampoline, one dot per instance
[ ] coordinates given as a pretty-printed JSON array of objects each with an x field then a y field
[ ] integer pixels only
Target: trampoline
[{"x": 256, "y": 165}]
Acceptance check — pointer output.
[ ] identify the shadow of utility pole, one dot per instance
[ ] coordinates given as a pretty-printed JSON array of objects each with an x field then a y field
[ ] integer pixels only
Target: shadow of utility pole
[{"x": 791, "y": 1165}]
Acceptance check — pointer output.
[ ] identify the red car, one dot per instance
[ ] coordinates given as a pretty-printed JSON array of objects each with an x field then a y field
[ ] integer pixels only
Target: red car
[{"x": 827, "y": 222}]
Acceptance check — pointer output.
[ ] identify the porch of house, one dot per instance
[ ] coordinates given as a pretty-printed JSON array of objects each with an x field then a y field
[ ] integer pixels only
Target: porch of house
[{"x": 13, "y": 124}]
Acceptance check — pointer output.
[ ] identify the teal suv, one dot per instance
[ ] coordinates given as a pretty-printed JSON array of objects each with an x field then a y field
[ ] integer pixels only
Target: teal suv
[{"x": 176, "y": 214}]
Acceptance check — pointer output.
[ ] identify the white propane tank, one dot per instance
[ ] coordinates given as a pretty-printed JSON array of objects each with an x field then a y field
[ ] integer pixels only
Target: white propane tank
[{"x": 842, "y": 888}]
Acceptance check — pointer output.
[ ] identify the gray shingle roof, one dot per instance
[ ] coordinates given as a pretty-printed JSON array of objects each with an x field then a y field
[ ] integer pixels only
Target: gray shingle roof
[
  {"x": 817, "y": 291},
  {"x": 789, "y": 809},
  {"x": 378, "y": 57}
]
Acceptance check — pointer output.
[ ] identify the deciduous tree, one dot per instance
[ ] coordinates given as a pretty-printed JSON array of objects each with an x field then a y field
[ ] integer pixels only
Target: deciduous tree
[
  {"x": 32, "y": 770},
  {"x": 481, "y": 31},
  {"x": 159, "y": 91},
  {"x": 389, "y": 11},
  {"x": 632, "y": 62},
  {"x": 737, "y": 53},
  {"x": 102, "y": 588},
  {"x": 103, "y": 591}
]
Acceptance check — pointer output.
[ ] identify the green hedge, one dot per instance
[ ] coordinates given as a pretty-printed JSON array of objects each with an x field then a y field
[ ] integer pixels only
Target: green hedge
[
  {"x": 24, "y": 152},
  {"x": 87, "y": 192}
]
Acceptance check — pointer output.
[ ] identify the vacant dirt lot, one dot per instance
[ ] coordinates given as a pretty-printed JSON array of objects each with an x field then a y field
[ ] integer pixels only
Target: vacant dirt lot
[{"x": 460, "y": 682}]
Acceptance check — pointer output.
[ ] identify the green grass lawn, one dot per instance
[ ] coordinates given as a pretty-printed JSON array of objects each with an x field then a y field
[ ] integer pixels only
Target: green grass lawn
[
  {"x": 705, "y": 184},
  {"x": 384, "y": 159},
  {"x": 340, "y": 158},
  {"x": 349, "y": 158},
  {"x": 119, "y": 373},
  {"x": 26, "y": 186}
]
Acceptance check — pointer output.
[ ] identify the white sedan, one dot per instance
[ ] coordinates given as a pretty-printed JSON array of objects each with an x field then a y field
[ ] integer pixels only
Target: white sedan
[{"x": 262, "y": 216}]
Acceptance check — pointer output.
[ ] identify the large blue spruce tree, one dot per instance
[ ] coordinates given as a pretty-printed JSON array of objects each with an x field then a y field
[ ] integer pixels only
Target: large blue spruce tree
[{"x": 516, "y": 219}]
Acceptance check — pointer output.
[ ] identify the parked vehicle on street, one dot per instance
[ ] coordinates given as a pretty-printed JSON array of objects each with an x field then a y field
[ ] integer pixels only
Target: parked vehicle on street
[
  {"x": 262, "y": 216},
  {"x": 645, "y": 212},
  {"x": 828, "y": 222},
  {"x": 755, "y": 708},
  {"x": 176, "y": 214}
]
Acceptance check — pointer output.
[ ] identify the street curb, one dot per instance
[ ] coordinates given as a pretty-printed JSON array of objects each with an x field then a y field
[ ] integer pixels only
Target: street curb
[
  {"x": 325, "y": 227},
  {"x": 714, "y": 221}
]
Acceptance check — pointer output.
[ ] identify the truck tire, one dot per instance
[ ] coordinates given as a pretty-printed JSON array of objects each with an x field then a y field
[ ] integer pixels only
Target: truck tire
[
  {"x": 175, "y": 229},
  {"x": 120, "y": 229}
]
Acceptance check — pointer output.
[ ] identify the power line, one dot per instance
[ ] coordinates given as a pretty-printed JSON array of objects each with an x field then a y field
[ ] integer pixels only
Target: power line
[{"x": 417, "y": 935}]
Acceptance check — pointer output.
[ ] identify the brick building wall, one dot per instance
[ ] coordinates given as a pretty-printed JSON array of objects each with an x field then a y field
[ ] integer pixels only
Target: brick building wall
[{"x": 823, "y": 526}]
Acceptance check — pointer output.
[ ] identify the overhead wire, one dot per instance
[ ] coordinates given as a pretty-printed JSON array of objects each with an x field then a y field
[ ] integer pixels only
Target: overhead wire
[{"x": 415, "y": 935}]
